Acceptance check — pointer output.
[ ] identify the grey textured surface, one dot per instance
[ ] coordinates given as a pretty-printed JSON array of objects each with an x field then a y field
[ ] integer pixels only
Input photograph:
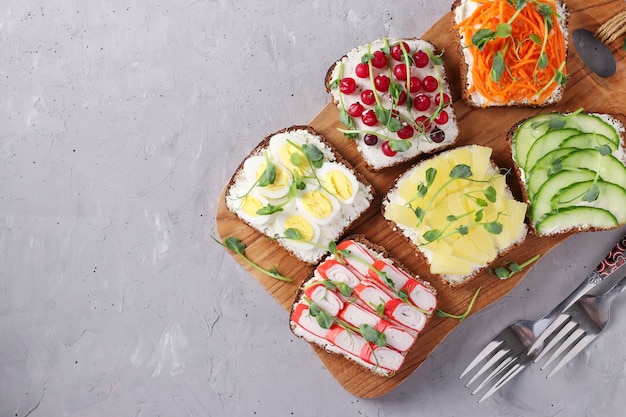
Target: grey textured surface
[{"x": 121, "y": 122}]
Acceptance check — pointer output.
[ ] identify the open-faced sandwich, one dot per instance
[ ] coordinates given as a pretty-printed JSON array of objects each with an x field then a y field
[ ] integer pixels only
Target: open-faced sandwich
[
  {"x": 394, "y": 100},
  {"x": 513, "y": 52},
  {"x": 296, "y": 188},
  {"x": 362, "y": 304},
  {"x": 456, "y": 209},
  {"x": 571, "y": 166}
]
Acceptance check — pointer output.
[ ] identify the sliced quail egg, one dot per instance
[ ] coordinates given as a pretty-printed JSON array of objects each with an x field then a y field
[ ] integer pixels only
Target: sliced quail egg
[
  {"x": 250, "y": 204},
  {"x": 286, "y": 149},
  {"x": 317, "y": 205},
  {"x": 254, "y": 168},
  {"x": 308, "y": 230},
  {"x": 339, "y": 181}
]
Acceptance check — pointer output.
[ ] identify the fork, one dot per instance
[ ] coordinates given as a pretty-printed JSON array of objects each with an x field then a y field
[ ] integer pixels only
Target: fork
[
  {"x": 581, "y": 324},
  {"x": 517, "y": 345}
]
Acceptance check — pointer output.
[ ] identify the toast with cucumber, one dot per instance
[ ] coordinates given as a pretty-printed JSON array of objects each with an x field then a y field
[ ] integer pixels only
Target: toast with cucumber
[{"x": 572, "y": 168}]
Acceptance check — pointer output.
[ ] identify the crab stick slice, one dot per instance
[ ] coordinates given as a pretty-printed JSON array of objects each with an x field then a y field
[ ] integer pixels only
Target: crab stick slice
[
  {"x": 334, "y": 270},
  {"x": 386, "y": 358},
  {"x": 418, "y": 293},
  {"x": 354, "y": 344},
  {"x": 300, "y": 315},
  {"x": 326, "y": 299},
  {"x": 371, "y": 294},
  {"x": 359, "y": 251},
  {"x": 396, "y": 337},
  {"x": 405, "y": 314}
]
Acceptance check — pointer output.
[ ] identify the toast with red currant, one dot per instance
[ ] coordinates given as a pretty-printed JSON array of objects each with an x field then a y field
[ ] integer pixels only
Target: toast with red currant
[{"x": 393, "y": 100}]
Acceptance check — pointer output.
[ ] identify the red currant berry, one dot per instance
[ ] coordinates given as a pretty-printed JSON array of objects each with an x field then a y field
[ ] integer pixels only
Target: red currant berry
[
  {"x": 400, "y": 71},
  {"x": 401, "y": 98},
  {"x": 368, "y": 97},
  {"x": 387, "y": 149},
  {"x": 430, "y": 83},
  {"x": 415, "y": 84},
  {"x": 423, "y": 124},
  {"x": 370, "y": 140},
  {"x": 437, "y": 135},
  {"x": 420, "y": 58},
  {"x": 362, "y": 70},
  {"x": 446, "y": 99},
  {"x": 421, "y": 102},
  {"x": 379, "y": 59},
  {"x": 347, "y": 85},
  {"x": 397, "y": 53},
  {"x": 381, "y": 82},
  {"x": 406, "y": 132},
  {"x": 355, "y": 109},
  {"x": 369, "y": 118},
  {"x": 442, "y": 118}
]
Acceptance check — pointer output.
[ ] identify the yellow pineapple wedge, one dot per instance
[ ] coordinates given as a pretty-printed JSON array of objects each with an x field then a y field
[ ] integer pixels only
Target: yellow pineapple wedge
[{"x": 458, "y": 212}]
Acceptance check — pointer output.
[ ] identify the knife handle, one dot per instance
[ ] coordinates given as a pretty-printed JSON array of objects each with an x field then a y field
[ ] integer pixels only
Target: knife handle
[{"x": 613, "y": 260}]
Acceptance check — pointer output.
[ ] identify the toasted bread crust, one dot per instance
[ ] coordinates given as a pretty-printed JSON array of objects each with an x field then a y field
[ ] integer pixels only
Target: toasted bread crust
[
  {"x": 336, "y": 157},
  {"x": 465, "y": 67},
  {"x": 519, "y": 176},
  {"x": 398, "y": 159},
  {"x": 420, "y": 254}
]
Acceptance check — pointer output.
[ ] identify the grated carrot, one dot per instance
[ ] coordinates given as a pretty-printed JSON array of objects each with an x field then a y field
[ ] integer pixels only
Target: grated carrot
[{"x": 522, "y": 79}]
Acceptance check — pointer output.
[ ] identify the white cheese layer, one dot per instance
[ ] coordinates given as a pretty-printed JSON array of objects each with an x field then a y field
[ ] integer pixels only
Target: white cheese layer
[
  {"x": 326, "y": 233},
  {"x": 420, "y": 143}
]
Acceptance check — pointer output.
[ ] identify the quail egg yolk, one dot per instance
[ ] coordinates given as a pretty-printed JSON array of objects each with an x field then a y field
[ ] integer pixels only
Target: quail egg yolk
[
  {"x": 251, "y": 205},
  {"x": 280, "y": 181},
  {"x": 302, "y": 225},
  {"x": 338, "y": 184},
  {"x": 294, "y": 158},
  {"x": 317, "y": 204}
]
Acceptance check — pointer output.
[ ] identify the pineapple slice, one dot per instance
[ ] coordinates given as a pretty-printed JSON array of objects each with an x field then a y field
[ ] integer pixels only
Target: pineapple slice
[{"x": 458, "y": 211}]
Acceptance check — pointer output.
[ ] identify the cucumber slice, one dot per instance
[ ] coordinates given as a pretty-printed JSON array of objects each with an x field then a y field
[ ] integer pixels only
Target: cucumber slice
[
  {"x": 571, "y": 218},
  {"x": 610, "y": 197},
  {"x": 526, "y": 134},
  {"x": 608, "y": 167},
  {"x": 542, "y": 201},
  {"x": 592, "y": 123},
  {"x": 588, "y": 140},
  {"x": 534, "y": 127},
  {"x": 550, "y": 141},
  {"x": 543, "y": 168}
]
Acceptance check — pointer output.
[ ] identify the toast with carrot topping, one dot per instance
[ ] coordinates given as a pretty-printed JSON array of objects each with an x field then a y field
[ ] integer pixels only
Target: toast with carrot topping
[{"x": 512, "y": 53}]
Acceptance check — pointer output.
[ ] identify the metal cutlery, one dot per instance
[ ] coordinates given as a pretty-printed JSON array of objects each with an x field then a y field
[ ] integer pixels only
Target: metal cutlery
[
  {"x": 517, "y": 345},
  {"x": 580, "y": 325}
]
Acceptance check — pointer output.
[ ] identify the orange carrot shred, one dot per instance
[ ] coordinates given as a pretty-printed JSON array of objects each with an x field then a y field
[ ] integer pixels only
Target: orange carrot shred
[{"x": 523, "y": 79}]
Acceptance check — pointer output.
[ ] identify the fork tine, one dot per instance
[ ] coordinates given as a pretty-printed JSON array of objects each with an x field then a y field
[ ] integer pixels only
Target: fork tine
[
  {"x": 501, "y": 367},
  {"x": 497, "y": 358},
  {"x": 573, "y": 337},
  {"x": 573, "y": 352},
  {"x": 515, "y": 369},
  {"x": 563, "y": 332},
  {"x": 491, "y": 346}
]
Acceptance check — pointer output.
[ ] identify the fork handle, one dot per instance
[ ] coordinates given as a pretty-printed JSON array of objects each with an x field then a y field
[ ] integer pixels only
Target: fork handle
[{"x": 614, "y": 260}]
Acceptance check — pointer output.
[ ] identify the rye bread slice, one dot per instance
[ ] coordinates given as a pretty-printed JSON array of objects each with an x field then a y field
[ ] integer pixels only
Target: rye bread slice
[
  {"x": 475, "y": 99},
  {"x": 240, "y": 185},
  {"x": 422, "y": 140}
]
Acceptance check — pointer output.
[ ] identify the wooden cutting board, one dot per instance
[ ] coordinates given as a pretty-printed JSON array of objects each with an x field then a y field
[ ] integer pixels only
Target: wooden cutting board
[{"x": 481, "y": 126}]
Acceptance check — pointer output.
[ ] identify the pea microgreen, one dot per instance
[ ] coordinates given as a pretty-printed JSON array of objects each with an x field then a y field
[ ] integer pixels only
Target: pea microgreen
[
  {"x": 460, "y": 317},
  {"x": 509, "y": 269},
  {"x": 236, "y": 245},
  {"x": 389, "y": 116},
  {"x": 458, "y": 172},
  {"x": 326, "y": 320}
]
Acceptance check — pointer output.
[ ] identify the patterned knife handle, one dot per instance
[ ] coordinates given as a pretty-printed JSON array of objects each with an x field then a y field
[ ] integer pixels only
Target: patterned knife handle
[{"x": 615, "y": 259}]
